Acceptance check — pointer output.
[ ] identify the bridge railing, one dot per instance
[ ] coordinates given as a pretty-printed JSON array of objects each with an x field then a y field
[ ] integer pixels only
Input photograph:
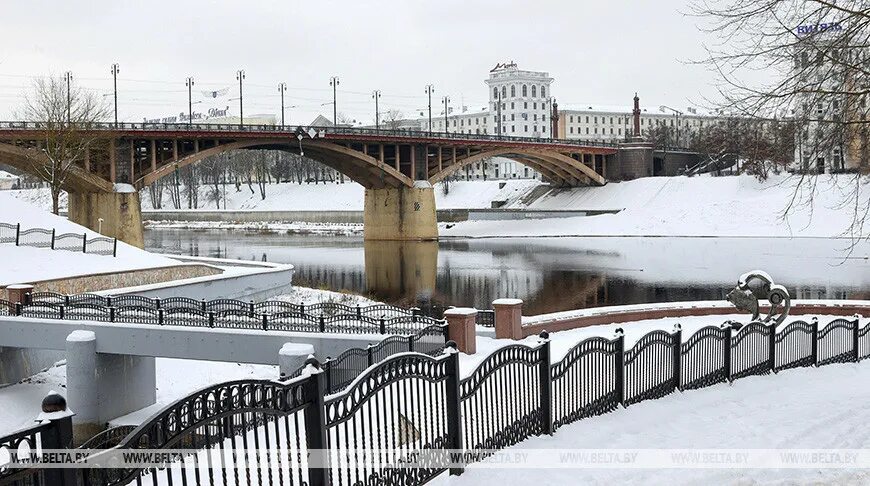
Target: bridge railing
[
  {"x": 226, "y": 313},
  {"x": 309, "y": 131},
  {"x": 48, "y": 238}
]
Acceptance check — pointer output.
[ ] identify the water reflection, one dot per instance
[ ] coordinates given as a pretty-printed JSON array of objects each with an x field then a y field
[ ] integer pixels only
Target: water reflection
[{"x": 550, "y": 274}]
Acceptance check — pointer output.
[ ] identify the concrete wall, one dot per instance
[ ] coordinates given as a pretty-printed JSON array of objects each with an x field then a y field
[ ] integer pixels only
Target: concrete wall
[
  {"x": 259, "y": 283},
  {"x": 675, "y": 163},
  {"x": 230, "y": 345},
  {"x": 17, "y": 363},
  {"x": 103, "y": 281},
  {"x": 632, "y": 161}
]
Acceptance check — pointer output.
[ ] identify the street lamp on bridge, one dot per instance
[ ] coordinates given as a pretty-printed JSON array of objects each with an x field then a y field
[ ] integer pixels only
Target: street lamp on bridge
[
  {"x": 282, "y": 87},
  {"x": 240, "y": 75},
  {"x": 376, "y": 94},
  {"x": 68, "y": 76},
  {"x": 446, "y": 100},
  {"x": 333, "y": 81},
  {"x": 429, "y": 90},
  {"x": 677, "y": 114},
  {"x": 189, "y": 83},
  {"x": 115, "y": 82}
]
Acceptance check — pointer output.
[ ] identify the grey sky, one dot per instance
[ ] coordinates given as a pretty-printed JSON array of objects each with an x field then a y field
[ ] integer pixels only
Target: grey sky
[{"x": 599, "y": 52}]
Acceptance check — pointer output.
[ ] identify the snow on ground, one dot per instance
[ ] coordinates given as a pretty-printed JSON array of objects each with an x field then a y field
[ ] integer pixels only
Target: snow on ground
[
  {"x": 21, "y": 401},
  {"x": 684, "y": 206},
  {"x": 349, "y": 196},
  {"x": 29, "y": 264},
  {"x": 298, "y": 228},
  {"x": 561, "y": 342},
  {"x": 809, "y": 408}
]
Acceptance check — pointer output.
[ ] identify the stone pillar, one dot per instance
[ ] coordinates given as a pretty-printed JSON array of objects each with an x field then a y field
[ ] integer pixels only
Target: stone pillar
[
  {"x": 101, "y": 387},
  {"x": 405, "y": 213},
  {"x": 83, "y": 394},
  {"x": 292, "y": 356},
  {"x": 120, "y": 211},
  {"x": 460, "y": 328},
  {"x": 17, "y": 293},
  {"x": 508, "y": 318}
]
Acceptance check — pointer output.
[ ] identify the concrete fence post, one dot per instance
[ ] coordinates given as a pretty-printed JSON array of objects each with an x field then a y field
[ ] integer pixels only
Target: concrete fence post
[
  {"x": 508, "y": 318},
  {"x": 460, "y": 328},
  {"x": 292, "y": 356},
  {"x": 17, "y": 294}
]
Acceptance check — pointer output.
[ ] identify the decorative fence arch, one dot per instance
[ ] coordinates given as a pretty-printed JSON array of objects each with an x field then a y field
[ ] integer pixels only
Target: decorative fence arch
[{"x": 411, "y": 403}]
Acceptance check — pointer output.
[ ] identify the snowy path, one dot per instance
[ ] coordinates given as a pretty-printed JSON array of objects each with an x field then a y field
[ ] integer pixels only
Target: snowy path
[{"x": 817, "y": 408}]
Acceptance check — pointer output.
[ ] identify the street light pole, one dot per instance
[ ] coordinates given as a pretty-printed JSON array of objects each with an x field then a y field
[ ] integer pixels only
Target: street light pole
[
  {"x": 677, "y": 113},
  {"x": 282, "y": 87},
  {"x": 68, "y": 97},
  {"x": 115, "y": 81},
  {"x": 446, "y": 100},
  {"x": 240, "y": 75},
  {"x": 377, "y": 94},
  {"x": 429, "y": 90},
  {"x": 333, "y": 81},
  {"x": 189, "y": 84}
]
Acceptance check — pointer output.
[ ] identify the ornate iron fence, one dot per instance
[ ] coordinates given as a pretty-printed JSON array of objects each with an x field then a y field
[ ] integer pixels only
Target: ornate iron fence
[
  {"x": 46, "y": 435},
  {"x": 485, "y": 318},
  {"x": 228, "y": 313},
  {"x": 410, "y": 403},
  {"x": 46, "y": 238}
]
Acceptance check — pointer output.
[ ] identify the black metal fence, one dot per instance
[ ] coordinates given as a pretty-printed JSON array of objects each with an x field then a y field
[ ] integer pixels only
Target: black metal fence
[
  {"x": 223, "y": 313},
  {"x": 344, "y": 368},
  {"x": 411, "y": 403},
  {"x": 47, "y": 238}
]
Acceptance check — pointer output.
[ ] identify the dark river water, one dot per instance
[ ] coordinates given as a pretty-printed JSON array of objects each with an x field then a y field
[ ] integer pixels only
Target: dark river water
[{"x": 549, "y": 274}]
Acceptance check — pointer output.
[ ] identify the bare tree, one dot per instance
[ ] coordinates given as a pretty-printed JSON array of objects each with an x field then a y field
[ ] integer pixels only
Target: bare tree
[
  {"x": 393, "y": 119},
  {"x": 66, "y": 113},
  {"x": 808, "y": 62}
]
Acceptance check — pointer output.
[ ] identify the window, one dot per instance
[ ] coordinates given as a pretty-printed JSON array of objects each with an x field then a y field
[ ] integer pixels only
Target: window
[
  {"x": 512, "y": 105},
  {"x": 596, "y": 119},
  {"x": 454, "y": 122},
  {"x": 596, "y": 131},
  {"x": 512, "y": 117},
  {"x": 543, "y": 92},
  {"x": 513, "y": 91},
  {"x": 494, "y": 93},
  {"x": 535, "y": 105},
  {"x": 571, "y": 118},
  {"x": 535, "y": 117},
  {"x": 587, "y": 118},
  {"x": 525, "y": 128},
  {"x": 513, "y": 128},
  {"x": 536, "y": 128},
  {"x": 525, "y": 90},
  {"x": 611, "y": 120},
  {"x": 504, "y": 91},
  {"x": 525, "y": 103},
  {"x": 543, "y": 117},
  {"x": 534, "y": 95},
  {"x": 587, "y": 130},
  {"x": 571, "y": 130}
]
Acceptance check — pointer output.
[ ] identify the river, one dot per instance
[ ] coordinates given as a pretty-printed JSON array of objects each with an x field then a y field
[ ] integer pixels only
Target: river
[{"x": 549, "y": 274}]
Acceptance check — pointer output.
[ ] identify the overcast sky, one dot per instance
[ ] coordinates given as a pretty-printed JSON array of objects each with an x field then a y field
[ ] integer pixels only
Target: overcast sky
[{"x": 599, "y": 52}]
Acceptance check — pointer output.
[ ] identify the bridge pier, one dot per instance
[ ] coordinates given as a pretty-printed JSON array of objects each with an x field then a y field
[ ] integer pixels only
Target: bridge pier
[
  {"x": 101, "y": 387},
  {"x": 404, "y": 213},
  {"x": 120, "y": 211}
]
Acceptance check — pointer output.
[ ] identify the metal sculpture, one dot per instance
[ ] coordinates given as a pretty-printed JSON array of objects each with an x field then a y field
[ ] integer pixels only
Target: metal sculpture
[{"x": 744, "y": 299}]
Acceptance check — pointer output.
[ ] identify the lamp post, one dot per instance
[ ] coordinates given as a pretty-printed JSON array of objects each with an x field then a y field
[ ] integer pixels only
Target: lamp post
[
  {"x": 333, "y": 81},
  {"x": 446, "y": 100},
  {"x": 677, "y": 114},
  {"x": 240, "y": 75},
  {"x": 115, "y": 82},
  {"x": 376, "y": 94},
  {"x": 429, "y": 90},
  {"x": 68, "y": 97},
  {"x": 282, "y": 87},
  {"x": 189, "y": 84}
]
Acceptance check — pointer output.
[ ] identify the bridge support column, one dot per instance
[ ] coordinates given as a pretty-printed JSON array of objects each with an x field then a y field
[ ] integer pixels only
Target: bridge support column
[
  {"x": 120, "y": 211},
  {"x": 406, "y": 213},
  {"x": 101, "y": 387}
]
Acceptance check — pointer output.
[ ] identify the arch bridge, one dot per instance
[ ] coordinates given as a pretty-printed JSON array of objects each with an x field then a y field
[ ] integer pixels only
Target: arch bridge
[{"x": 397, "y": 168}]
